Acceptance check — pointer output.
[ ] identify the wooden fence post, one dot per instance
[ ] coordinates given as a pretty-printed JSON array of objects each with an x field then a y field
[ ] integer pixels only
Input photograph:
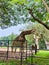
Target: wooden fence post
[
  {"x": 21, "y": 52},
  {"x": 7, "y": 50},
  {"x": 26, "y": 50}
]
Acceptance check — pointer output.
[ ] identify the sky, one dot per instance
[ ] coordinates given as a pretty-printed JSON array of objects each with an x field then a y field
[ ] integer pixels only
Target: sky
[{"x": 13, "y": 29}]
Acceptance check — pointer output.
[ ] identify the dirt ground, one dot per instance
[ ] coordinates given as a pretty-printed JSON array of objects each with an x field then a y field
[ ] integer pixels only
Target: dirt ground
[{"x": 12, "y": 55}]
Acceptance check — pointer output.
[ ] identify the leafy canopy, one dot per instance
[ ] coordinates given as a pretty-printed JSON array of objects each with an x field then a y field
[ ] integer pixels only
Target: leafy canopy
[{"x": 19, "y": 11}]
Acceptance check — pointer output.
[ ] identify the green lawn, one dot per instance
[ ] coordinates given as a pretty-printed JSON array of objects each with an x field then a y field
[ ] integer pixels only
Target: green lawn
[
  {"x": 43, "y": 60},
  {"x": 10, "y": 62}
]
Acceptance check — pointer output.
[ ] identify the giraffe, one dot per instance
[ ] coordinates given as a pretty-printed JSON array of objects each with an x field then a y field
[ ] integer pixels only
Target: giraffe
[{"x": 20, "y": 41}]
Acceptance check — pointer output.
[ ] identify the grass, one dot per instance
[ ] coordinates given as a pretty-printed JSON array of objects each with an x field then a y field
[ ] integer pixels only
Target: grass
[
  {"x": 43, "y": 60},
  {"x": 43, "y": 53},
  {"x": 10, "y": 62}
]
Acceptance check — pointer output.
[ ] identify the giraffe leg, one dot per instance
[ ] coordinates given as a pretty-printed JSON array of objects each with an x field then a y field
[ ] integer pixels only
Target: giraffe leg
[
  {"x": 12, "y": 48},
  {"x": 22, "y": 50},
  {"x": 15, "y": 50}
]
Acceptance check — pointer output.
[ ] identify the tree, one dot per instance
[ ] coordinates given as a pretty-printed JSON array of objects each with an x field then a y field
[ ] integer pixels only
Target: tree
[
  {"x": 11, "y": 14},
  {"x": 36, "y": 17},
  {"x": 4, "y": 12},
  {"x": 42, "y": 44},
  {"x": 40, "y": 29},
  {"x": 37, "y": 10},
  {"x": 35, "y": 38},
  {"x": 47, "y": 8}
]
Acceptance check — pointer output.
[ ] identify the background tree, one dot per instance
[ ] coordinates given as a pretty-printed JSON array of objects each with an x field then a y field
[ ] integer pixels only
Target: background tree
[{"x": 40, "y": 29}]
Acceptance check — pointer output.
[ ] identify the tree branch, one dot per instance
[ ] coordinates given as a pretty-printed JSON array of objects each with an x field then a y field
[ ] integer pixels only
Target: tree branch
[
  {"x": 45, "y": 4},
  {"x": 38, "y": 20}
]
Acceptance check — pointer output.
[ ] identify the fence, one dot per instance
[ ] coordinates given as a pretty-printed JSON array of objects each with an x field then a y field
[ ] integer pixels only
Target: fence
[
  {"x": 6, "y": 53},
  {"x": 25, "y": 58}
]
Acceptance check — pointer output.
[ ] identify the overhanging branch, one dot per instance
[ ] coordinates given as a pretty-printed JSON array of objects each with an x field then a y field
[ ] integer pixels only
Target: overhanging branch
[
  {"x": 46, "y": 6},
  {"x": 37, "y": 19}
]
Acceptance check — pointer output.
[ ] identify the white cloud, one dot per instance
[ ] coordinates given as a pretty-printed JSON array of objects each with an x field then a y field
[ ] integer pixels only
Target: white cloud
[{"x": 14, "y": 29}]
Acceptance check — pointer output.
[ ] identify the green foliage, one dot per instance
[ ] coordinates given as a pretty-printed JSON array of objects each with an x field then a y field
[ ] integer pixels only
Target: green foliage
[
  {"x": 12, "y": 36},
  {"x": 6, "y": 38},
  {"x": 37, "y": 0},
  {"x": 41, "y": 29},
  {"x": 30, "y": 39},
  {"x": 19, "y": 1},
  {"x": 17, "y": 11},
  {"x": 42, "y": 44},
  {"x": 4, "y": 12}
]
